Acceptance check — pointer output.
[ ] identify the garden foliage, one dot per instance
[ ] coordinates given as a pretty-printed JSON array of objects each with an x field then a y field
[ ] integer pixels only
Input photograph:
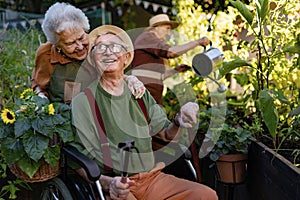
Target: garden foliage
[{"x": 261, "y": 46}]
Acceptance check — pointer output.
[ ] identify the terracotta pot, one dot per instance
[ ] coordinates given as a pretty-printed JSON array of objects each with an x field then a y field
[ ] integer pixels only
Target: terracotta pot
[{"x": 232, "y": 168}]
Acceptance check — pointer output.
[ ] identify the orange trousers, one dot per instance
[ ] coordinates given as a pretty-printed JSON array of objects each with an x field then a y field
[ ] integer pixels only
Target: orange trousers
[{"x": 160, "y": 186}]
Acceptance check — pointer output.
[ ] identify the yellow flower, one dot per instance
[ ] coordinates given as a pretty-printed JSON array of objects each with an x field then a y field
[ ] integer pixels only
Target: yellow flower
[
  {"x": 26, "y": 92},
  {"x": 23, "y": 108},
  {"x": 8, "y": 116},
  {"x": 51, "y": 109}
]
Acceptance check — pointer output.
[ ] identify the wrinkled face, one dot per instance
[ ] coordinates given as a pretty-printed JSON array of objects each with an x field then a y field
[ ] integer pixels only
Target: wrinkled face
[
  {"x": 110, "y": 54},
  {"x": 163, "y": 31},
  {"x": 74, "y": 43}
]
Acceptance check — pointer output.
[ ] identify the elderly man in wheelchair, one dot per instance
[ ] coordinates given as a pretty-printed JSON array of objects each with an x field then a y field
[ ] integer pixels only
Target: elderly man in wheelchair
[{"x": 115, "y": 130}]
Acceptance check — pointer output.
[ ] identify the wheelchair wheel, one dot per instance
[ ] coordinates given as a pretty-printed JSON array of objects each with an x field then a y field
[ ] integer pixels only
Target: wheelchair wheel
[{"x": 55, "y": 189}]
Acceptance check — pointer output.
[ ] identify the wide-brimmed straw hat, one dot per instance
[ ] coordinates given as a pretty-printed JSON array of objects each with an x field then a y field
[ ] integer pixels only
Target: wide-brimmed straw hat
[
  {"x": 162, "y": 19},
  {"x": 105, "y": 29}
]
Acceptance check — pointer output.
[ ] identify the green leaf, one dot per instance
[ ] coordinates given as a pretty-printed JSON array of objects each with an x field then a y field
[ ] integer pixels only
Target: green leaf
[
  {"x": 22, "y": 125},
  {"x": 263, "y": 9},
  {"x": 12, "y": 150},
  {"x": 58, "y": 119},
  {"x": 64, "y": 110},
  {"x": 268, "y": 111},
  {"x": 43, "y": 125},
  {"x": 11, "y": 189},
  {"x": 280, "y": 96},
  {"x": 231, "y": 65},
  {"x": 243, "y": 10},
  {"x": 65, "y": 132},
  {"x": 35, "y": 145},
  {"x": 242, "y": 79},
  {"x": 214, "y": 156},
  {"x": 52, "y": 155},
  {"x": 28, "y": 166},
  {"x": 40, "y": 101},
  {"x": 291, "y": 49},
  {"x": 295, "y": 112},
  {"x": 6, "y": 130}
]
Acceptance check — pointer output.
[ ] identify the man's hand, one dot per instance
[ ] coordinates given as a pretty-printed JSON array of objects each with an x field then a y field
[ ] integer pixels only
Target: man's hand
[
  {"x": 188, "y": 115},
  {"x": 119, "y": 190}
]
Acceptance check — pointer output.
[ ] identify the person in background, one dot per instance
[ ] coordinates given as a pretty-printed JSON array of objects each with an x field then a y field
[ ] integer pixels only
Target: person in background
[
  {"x": 124, "y": 120},
  {"x": 57, "y": 73},
  {"x": 150, "y": 63}
]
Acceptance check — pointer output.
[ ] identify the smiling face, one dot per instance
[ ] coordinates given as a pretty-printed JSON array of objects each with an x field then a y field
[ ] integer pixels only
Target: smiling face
[
  {"x": 73, "y": 43},
  {"x": 110, "y": 54}
]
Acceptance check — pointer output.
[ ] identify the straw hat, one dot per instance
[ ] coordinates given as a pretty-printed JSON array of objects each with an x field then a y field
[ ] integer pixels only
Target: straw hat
[
  {"x": 162, "y": 19},
  {"x": 104, "y": 29}
]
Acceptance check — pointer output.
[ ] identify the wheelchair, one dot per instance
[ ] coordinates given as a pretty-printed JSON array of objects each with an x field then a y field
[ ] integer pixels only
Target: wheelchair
[{"x": 71, "y": 186}]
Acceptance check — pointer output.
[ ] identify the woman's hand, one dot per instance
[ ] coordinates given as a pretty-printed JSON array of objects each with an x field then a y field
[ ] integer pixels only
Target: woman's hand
[
  {"x": 119, "y": 190},
  {"x": 136, "y": 87},
  {"x": 182, "y": 68},
  {"x": 203, "y": 41}
]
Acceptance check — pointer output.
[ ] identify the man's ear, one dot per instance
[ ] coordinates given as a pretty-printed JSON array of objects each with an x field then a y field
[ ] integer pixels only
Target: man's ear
[{"x": 128, "y": 55}]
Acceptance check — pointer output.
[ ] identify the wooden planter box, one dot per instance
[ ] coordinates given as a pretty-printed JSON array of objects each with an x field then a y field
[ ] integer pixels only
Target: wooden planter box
[{"x": 271, "y": 176}]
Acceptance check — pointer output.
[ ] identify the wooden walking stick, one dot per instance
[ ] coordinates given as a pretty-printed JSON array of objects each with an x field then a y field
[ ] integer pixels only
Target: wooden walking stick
[{"x": 126, "y": 148}]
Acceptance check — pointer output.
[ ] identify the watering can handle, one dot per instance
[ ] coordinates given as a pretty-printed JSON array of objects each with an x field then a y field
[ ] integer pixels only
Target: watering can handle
[{"x": 210, "y": 46}]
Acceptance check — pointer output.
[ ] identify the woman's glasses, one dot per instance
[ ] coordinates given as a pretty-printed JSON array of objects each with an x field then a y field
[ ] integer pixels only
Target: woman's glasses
[{"x": 114, "y": 48}]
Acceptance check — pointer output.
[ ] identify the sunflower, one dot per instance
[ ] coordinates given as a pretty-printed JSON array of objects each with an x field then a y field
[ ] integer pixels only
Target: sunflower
[
  {"x": 27, "y": 93},
  {"x": 8, "y": 116}
]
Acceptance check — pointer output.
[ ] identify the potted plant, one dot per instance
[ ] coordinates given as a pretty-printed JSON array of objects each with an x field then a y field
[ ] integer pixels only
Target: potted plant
[
  {"x": 231, "y": 153},
  {"x": 227, "y": 146},
  {"x": 31, "y": 133}
]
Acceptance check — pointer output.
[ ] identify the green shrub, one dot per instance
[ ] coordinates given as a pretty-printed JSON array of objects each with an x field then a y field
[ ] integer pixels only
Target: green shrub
[{"x": 17, "y": 50}]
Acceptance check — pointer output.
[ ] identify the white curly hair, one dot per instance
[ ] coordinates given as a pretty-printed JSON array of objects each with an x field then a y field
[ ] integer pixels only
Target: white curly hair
[{"x": 60, "y": 17}]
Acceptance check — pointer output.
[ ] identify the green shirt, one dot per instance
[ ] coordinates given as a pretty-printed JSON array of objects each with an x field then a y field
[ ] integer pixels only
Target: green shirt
[{"x": 123, "y": 121}]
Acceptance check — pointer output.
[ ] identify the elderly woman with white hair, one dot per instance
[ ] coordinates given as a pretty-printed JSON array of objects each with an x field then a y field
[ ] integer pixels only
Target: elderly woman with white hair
[
  {"x": 106, "y": 116},
  {"x": 57, "y": 73}
]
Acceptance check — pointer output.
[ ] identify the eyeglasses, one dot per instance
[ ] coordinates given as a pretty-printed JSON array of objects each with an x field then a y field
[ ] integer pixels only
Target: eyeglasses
[{"x": 102, "y": 48}]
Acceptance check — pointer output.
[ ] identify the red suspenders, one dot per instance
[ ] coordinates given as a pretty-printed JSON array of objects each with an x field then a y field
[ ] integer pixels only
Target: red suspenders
[{"x": 108, "y": 165}]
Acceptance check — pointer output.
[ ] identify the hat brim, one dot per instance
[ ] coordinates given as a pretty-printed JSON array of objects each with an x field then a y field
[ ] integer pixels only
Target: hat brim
[
  {"x": 104, "y": 29},
  {"x": 173, "y": 24}
]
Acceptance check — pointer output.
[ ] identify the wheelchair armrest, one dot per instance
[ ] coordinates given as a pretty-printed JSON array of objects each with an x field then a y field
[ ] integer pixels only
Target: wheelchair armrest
[
  {"x": 187, "y": 152},
  {"x": 158, "y": 143},
  {"x": 89, "y": 165}
]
